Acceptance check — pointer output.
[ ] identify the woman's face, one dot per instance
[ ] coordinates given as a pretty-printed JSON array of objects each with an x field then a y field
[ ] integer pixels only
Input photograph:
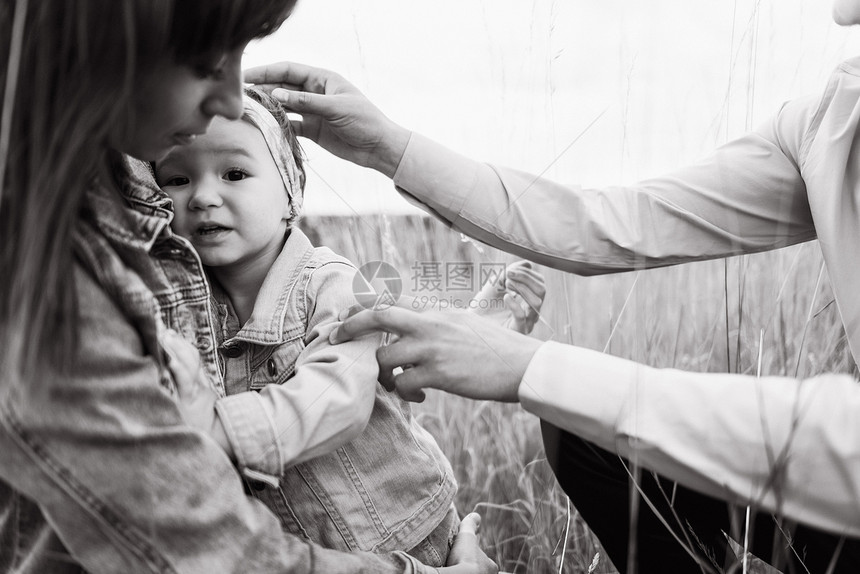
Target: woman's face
[
  {"x": 846, "y": 12},
  {"x": 174, "y": 103}
]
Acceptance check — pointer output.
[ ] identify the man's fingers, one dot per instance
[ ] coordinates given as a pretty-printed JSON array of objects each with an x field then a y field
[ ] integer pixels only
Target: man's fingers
[
  {"x": 399, "y": 367},
  {"x": 269, "y": 88},
  {"x": 397, "y": 354},
  {"x": 390, "y": 363},
  {"x": 354, "y": 310},
  {"x": 304, "y": 102},
  {"x": 392, "y": 359},
  {"x": 280, "y": 73},
  {"x": 386, "y": 379},
  {"x": 404, "y": 302},
  {"x": 409, "y": 384},
  {"x": 393, "y": 320},
  {"x": 412, "y": 396}
]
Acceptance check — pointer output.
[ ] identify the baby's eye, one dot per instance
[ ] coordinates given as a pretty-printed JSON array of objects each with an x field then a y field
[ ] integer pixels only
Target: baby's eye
[
  {"x": 175, "y": 181},
  {"x": 235, "y": 175}
]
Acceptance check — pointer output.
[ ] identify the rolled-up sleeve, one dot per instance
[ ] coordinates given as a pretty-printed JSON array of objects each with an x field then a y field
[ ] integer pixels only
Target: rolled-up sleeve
[
  {"x": 787, "y": 445},
  {"x": 325, "y": 404}
]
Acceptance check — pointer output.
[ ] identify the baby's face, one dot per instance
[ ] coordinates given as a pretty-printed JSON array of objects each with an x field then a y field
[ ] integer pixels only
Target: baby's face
[
  {"x": 228, "y": 196},
  {"x": 846, "y": 12}
]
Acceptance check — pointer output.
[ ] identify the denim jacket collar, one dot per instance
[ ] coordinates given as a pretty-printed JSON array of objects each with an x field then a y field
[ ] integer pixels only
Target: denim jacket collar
[
  {"x": 268, "y": 322},
  {"x": 138, "y": 227}
]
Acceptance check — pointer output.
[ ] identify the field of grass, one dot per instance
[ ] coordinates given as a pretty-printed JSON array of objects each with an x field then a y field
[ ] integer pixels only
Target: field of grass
[{"x": 705, "y": 316}]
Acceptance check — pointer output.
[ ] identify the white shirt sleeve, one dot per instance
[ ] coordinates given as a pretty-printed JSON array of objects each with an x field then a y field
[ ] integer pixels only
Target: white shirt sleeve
[
  {"x": 747, "y": 196},
  {"x": 786, "y": 445}
]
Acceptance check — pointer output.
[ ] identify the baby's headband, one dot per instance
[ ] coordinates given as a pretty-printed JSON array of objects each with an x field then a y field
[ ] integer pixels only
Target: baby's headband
[{"x": 278, "y": 146}]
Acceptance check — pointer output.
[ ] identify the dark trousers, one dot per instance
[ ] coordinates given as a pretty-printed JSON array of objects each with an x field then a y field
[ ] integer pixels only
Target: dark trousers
[{"x": 599, "y": 486}]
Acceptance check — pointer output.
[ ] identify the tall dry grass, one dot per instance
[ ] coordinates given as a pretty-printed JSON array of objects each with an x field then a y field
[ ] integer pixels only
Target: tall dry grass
[{"x": 706, "y": 316}]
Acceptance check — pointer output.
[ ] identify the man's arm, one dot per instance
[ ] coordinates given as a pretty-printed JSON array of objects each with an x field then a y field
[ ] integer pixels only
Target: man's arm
[
  {"x": 788, "y": 446},
  {"x": 748, "y": 196}
]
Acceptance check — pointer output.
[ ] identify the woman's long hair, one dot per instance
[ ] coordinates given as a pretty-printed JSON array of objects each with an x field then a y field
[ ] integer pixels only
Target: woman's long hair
[{"x": 67, "y": 74}]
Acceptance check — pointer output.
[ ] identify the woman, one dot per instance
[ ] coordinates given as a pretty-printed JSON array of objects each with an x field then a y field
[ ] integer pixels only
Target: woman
[{"x": 97, "y": 469}]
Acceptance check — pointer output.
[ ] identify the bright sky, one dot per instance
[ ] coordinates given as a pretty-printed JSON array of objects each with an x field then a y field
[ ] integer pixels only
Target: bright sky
[{"x": 516, "y": 82}]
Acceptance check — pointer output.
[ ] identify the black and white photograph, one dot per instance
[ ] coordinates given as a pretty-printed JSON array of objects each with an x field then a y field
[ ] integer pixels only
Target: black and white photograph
[{"x": 475, "y": 287}]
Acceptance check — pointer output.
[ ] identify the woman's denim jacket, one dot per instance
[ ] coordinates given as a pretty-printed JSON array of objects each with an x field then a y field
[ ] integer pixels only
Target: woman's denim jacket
[
  {"x": 370, "y": 477},
  {"x": 97, "y": 470}
]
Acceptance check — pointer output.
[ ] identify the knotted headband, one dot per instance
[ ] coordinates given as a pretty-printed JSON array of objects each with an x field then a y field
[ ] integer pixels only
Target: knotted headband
[{"x": 279, "y": 147}]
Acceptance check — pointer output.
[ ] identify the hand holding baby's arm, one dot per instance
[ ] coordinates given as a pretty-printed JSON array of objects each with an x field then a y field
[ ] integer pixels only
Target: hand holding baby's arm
[
  {"x": 196, "y": 395},
  {"x": 515, "y": 299}
]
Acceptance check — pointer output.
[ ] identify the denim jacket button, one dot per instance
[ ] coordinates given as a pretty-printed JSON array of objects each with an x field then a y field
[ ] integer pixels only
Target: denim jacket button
[
  {"x": 232, "y": 351},
  {"x": 271, "y": 367}
]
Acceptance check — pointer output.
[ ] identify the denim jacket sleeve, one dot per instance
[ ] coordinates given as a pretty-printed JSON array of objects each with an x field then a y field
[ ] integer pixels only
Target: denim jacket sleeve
[
  {"x": 128, "y": 487},
  {"x": 329, "y": 399},
  {"x": 747, "y": 196}
]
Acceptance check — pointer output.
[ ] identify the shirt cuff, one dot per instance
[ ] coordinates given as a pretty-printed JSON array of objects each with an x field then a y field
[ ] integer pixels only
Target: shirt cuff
[
  {"x": 251, "y": 433},
  {"x": 582, "y": 391}
]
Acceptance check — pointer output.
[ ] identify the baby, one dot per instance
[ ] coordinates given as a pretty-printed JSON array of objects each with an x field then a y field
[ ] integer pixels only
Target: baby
[{"x": 340, "y": 461}]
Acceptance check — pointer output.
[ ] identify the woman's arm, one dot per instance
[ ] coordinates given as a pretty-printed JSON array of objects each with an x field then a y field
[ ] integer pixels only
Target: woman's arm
[{"x": 126, "y": 485}]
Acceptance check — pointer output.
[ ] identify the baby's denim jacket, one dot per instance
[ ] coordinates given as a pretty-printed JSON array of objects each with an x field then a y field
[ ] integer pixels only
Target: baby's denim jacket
[{"x": 380, "y": 484}]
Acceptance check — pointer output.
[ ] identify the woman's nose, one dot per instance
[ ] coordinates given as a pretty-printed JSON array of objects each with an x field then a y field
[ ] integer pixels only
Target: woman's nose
[{"x": 225, "y": 97}]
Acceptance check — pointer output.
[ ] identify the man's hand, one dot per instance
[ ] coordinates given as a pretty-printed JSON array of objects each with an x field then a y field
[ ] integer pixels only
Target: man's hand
[
  {"x": 335, "y": 114},
  {"x": 196, "y": 395},
  {"x": 456, "y": 351},
  {"x": 513, "y": 300}
]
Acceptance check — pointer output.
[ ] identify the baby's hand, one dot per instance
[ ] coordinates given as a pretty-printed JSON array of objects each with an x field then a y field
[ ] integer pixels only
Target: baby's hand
[
  {"x": 514, "y": 300},
  {"x": 196, "y": 395},
  {"x": 466, "y": 555}
]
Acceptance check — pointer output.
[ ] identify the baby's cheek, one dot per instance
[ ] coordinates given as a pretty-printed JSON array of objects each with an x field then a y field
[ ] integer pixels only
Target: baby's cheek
[{"x": 178, "y": 227}]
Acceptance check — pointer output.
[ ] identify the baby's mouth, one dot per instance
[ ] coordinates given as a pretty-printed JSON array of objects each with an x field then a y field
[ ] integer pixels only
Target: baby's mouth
[{"x": 210, "y": 229}]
